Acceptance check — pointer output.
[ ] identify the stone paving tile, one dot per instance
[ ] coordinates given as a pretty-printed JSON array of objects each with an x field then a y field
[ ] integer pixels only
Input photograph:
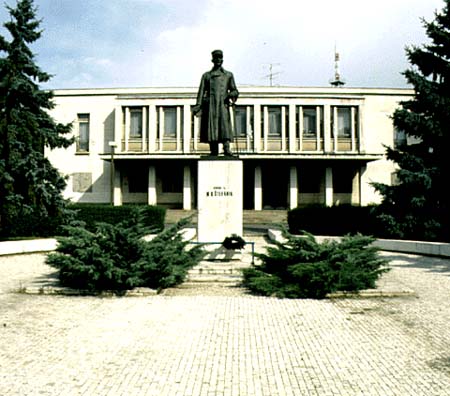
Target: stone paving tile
[{"x": 226, "y": 345}]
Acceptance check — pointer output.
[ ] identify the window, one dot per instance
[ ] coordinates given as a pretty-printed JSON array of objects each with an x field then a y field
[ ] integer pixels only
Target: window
[
  {"x": 135, "y": 123},
  {"x": 274, "y": 121},
  {"x": 310, "y": 180},
  {"x": 344, "y": 122},
  {"x": 309, "y": 121},
  {"x": 83, "y": 133},
  {"x": 170, "y": 122},
  {"x": 399, "y": 138},
  {"x": 240, "y": 120}
]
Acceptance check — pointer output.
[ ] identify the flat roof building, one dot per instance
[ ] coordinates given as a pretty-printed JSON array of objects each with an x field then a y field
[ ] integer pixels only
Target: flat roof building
[{"x": 299, "y": 146}]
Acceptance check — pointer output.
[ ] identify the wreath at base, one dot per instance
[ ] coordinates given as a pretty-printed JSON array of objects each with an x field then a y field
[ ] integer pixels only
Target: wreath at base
[{"x": 233, "y": 242}]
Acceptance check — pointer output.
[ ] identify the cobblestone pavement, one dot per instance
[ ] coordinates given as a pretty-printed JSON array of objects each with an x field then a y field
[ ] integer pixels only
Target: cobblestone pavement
[{"x": 226, "y": 345}]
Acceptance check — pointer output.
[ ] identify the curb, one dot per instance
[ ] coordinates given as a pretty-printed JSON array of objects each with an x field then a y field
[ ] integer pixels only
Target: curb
[{"x": 62, "y": 291}]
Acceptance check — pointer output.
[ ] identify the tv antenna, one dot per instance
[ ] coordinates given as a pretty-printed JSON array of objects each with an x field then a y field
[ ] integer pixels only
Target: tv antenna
[
  {"x": 337, "y": 82},
  {"x": 272, "y": 73}
]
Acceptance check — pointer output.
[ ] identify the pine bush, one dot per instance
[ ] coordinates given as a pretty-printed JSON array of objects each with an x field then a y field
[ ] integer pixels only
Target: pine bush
[
  {"x": 117, "y": 257},
  {"x": 304, "y": 268}
]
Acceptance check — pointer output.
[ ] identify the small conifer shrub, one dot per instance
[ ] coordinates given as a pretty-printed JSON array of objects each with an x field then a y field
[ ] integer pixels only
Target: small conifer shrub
[
  {"x": 303, "y": 268},
  {"x": 117, "y": 257}
]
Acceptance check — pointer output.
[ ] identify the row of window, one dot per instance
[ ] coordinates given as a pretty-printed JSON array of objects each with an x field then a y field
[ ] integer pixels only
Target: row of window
[{"x": 309, "y": 119}]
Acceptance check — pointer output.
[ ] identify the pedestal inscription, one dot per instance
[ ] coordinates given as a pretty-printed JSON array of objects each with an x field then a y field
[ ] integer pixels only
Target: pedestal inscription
[{"x": 219, "y": 199}]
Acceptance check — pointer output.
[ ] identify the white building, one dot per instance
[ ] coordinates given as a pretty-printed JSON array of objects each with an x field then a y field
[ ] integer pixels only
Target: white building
[{"x": 298, "y": 145}]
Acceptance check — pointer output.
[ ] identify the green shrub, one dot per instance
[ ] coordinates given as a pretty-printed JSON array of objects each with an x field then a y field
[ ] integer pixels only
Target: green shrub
[
  {"x": 91, "y": 214},
  {"x": 303, "y": 268},
  {"x": 116, "y": 257}
]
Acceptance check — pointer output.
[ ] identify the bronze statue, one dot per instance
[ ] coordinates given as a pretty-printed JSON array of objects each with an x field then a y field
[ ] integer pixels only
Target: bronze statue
[{"x": 217, "y": 92}]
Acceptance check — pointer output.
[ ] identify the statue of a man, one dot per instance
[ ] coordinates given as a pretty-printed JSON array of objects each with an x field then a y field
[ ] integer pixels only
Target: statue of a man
[{"x": 217, "y": 92}]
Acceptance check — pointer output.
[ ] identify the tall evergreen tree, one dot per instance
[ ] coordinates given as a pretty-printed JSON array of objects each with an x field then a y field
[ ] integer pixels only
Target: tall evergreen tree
[
  {"x": 417, "y": 206},
  {"x": 30, "y": 187}
]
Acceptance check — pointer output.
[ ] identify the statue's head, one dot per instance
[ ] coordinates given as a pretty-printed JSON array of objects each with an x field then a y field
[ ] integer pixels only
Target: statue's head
[{"x": 217, "y": 58}]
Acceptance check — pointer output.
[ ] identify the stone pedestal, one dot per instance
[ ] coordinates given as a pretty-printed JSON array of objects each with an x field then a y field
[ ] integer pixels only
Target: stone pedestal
[{"x": 220, "y": 199}]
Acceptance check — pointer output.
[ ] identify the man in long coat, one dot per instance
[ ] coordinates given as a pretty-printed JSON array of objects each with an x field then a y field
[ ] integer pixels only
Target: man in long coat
[{"x": 217, "y": 92}]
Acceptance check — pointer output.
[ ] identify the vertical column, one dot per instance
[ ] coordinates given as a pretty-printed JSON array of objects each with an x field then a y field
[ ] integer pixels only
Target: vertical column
[
  {"x": 283, "y": 128},
  {"x": 127, "y": 127},
  {"x": 356, "y": 188},
  {"x": 257, "y": 133},
  {"x": 329, "y": 186},
  {"x": 248, "y": 127},
  {"x": 117, "y": 189},
  {"x": 360, "y": 130},
  {"x": 300, "y": 127},
  {"x": 292, "y": 131},
  {"x": 318, "y": 126},
  {"x": 266, "y": 127},
  {"x": 196, "y": 131},
  {"x": 118, "y": 128},
  {"x": 144, "y": 128},
  {"x": 186, "y": 128},
  {"x": 178, "y": 128},
  {"x": 161, "y": 127},
  {"x": 327, "y": 129},
  {"x": 258, "y": 188},
  {"x": 151, "y": 198},
  {"x": 187, "y": 189},
  {"x": 152, "y": 133},
  {"x": 335, "y": 128},
  {"x": 352, "y": 127},
  {"x": 293, "y": 188}
]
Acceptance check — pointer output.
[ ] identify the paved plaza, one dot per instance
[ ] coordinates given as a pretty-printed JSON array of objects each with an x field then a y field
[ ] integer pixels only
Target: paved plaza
[{"x": 201, "y": 344}]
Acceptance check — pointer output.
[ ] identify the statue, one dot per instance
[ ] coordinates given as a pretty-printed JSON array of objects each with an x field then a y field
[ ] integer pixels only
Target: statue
[{"x": 217, "y": 92}]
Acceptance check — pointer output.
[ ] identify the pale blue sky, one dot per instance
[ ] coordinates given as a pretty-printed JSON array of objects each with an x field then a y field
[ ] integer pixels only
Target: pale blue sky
[{"x": 150, "y": 43}]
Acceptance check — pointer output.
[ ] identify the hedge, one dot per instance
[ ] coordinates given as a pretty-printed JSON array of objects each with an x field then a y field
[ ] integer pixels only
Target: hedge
[
  {"x": 91, "y": 214},
  {"x": 334, "y": 220}
]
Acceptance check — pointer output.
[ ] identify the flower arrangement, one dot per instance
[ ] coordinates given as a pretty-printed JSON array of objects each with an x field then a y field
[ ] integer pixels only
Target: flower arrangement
[{"x": 233, "y": 242}]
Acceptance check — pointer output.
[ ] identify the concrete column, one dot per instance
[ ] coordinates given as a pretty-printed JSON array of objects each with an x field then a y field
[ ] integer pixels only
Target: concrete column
[
  {"x": 117, "y": 189},
  {"x": 327, "y": 129},
  {"x": 152, "y": 128},
  {"x": 356, "y": 188},
  {"x": 127, "y": 127},
  {"x": 144, "y": 128},
  {"x": 187, "y": 188},
  {"x": 152, "y": 185},
  {"x": 257, "y": 133},
  {"x": 335, "y": 128},
  {"x": 300, "y": 127},
  {"x": 318, "y": 125},
  {"x": 352, "y": 128},
  {"x": 187, "y": 133},
  {"x": 258, "y": 188},
  {"x": 283, "y": 128},
  {"x": 118, "y": 128},
  {"x": 292, "y": 131},
  {"x": 178, "y": 128},
  {"x": 161, "y": 128},
  {"x": 329, "y": 186},
  {"x": 196, "y": 131},
  {"x": 266, "y": 127},
  {"x": 293, "y": 188},
  {"x": 249, "y": 128}
]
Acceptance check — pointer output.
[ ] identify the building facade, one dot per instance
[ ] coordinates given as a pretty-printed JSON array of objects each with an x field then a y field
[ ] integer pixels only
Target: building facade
[{"x": 299, "y": 146}]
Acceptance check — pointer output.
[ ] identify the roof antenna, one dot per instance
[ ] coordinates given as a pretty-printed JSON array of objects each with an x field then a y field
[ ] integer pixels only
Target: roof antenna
[{"x": 337, "y": 82}]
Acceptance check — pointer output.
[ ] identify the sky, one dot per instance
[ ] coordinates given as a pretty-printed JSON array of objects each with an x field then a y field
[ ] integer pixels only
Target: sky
[{"x": 168, "y": 43}]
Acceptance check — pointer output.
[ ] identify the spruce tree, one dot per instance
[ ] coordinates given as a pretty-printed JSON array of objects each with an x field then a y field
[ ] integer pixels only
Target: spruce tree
[
  {"x": 417, "y": 206},
  {"x": 30, "y": 187}
]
